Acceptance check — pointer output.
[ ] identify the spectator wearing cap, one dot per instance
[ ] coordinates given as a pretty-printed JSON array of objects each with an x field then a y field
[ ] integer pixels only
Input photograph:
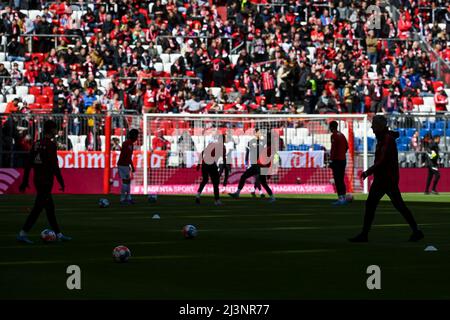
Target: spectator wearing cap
[{"x": 61, "y": 106}]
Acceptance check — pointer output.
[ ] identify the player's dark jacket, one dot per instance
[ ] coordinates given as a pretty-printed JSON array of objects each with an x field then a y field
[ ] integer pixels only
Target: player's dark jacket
[
  {"x": 213, "y": 155},
  {"x": 44, "y": 160},
  {"x": 433, "y": 156},
  {"x": 385, "y": 168}
]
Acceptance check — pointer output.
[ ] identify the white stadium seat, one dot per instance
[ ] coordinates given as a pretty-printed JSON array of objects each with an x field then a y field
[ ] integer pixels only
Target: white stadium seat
[
  {"x": 174, "y": 57},
  {"x": 159, "y": 67},
  {"x": 11, "y": 97},
  {"x": 7, "y": 65},
  {"x": 21, "y": 90},
  {"x": 165, "y": 58},
  {"x": 20, "y": 65},
  {"x": 215, "y": 91},
  {"x": 28, "y": 98},
  {"x": 234, "y": 58},
  {"x": 105, "y": 83},
  {"x": 167, "y": 67},
  {"x": 2, "y": 107},
  {"x": 428, "y": 105}
]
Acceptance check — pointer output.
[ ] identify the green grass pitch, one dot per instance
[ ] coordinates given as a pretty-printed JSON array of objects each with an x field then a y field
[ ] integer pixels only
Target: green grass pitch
[{"x": 296, "y": 248}]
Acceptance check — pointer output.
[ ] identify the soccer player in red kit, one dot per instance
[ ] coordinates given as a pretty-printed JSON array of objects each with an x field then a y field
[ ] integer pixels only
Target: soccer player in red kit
[
  {"x": 338, "y": 161},
  {"x": 125, "y": 165},
  {"x": 43, "y": 159},
  {"x": 386, "y": 177}
]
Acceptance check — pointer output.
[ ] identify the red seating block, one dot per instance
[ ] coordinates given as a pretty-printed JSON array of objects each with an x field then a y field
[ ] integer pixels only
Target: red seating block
[
  {"x": 41, "y": 99},
  {"x": 35, "y": 91},
  {"x": 47, "y": 91}
]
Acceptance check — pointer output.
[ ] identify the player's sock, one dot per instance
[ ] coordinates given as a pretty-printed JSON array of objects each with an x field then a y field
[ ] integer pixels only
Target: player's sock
[
  {"x": 22, "y": 233},
  {"x": 123, "y": 192},
  {"x": 238, "y": 191},
  {"x": 198, "y": 195}
]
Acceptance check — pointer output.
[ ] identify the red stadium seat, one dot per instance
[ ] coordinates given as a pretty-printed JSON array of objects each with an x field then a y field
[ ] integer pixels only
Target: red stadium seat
[
  {"x": 190, "y": 73},
  {"x": 417, "y": 101},
  {"x": 47, "y": 91},
  {"x": 41, "y": 99},
  {"x": 40, "y": 56},
  {"x": 111, "y": 73},
  {"x": 35, "y": 91},
  {"x": 34, "y": 106}
]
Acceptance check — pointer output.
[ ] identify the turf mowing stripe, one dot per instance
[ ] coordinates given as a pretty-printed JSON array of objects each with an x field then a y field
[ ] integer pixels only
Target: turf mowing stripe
[
  {"x": 297, "y": 251},
  {"x": 56, "y": 245},
  {"x": 10, "y": 263}
]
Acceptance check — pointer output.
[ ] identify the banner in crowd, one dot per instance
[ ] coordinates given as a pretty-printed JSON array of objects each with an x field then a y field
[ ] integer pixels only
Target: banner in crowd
[{"x": 160, "y": 159}]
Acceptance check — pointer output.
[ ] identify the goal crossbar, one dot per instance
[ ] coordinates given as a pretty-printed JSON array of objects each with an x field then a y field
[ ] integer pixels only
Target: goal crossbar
[{"x": 149, "y": 117}]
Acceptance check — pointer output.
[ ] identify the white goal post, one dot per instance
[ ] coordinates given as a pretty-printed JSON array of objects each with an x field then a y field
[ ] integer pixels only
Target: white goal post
[{"x": 172, "y": 142}]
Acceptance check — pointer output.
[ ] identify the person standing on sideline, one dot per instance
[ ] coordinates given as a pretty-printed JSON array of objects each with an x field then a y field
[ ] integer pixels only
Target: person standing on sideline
[
  {"x": 386, "y": 178},
  {"x": 433, "y": 165},
  {"x": 338, "y": 161}
]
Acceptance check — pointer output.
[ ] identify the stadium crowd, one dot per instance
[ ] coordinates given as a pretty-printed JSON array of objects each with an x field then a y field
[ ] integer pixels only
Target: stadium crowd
[{"x": 165, "y": 56}]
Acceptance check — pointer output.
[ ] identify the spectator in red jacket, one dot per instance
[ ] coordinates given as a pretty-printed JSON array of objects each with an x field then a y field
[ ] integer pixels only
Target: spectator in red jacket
[{"x": 440, "y": 100}]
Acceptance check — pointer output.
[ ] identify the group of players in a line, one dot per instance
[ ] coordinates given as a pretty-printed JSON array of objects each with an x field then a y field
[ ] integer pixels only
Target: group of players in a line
[{"x": 261, "y": 159}]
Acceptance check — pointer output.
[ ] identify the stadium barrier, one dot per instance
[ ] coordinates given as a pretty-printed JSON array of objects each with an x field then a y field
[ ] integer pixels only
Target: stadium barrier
[{"x": 94, "y": 142}]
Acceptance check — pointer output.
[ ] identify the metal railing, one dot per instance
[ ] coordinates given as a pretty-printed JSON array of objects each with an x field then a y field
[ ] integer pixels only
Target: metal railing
[
  {"x": 85, "y": 132},
  {"x": 202, "y": 38},
  {"x": 75, "y": 132},
  {"x": 55, "y": 38}
]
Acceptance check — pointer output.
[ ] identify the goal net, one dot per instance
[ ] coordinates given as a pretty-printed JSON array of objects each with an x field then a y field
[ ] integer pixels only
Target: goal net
[{"x": 172, "y": 144}]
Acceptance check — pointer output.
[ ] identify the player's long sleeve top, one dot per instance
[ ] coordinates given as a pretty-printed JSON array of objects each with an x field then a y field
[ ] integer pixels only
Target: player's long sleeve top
[
  {"x": 339, "y": 146},
  {"x": 126, "y": 154},
  {"x": 43, "y": 159},
  {"x": 385, "y": 168}
]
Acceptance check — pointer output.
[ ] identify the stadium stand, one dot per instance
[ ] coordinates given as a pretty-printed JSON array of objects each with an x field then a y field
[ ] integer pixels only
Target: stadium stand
[{"x": 258, "y": 56}]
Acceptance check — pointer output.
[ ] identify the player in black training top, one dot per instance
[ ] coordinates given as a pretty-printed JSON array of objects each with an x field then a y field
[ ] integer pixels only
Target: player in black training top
[
  {"x": 43, "y": 159},
  {"x": 257, "y": 166},
  {"x": 208, "y": 163}
]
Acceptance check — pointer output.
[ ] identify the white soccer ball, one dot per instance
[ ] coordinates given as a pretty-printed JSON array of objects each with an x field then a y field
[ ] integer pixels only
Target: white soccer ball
[
  {"x": 121, "y": 254},
  {"x": 103, "y": 203},
  {"x": 189, "y": 231},
  {"x": 152, "y": 198},
  {"x": 48, "y": 235}
]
